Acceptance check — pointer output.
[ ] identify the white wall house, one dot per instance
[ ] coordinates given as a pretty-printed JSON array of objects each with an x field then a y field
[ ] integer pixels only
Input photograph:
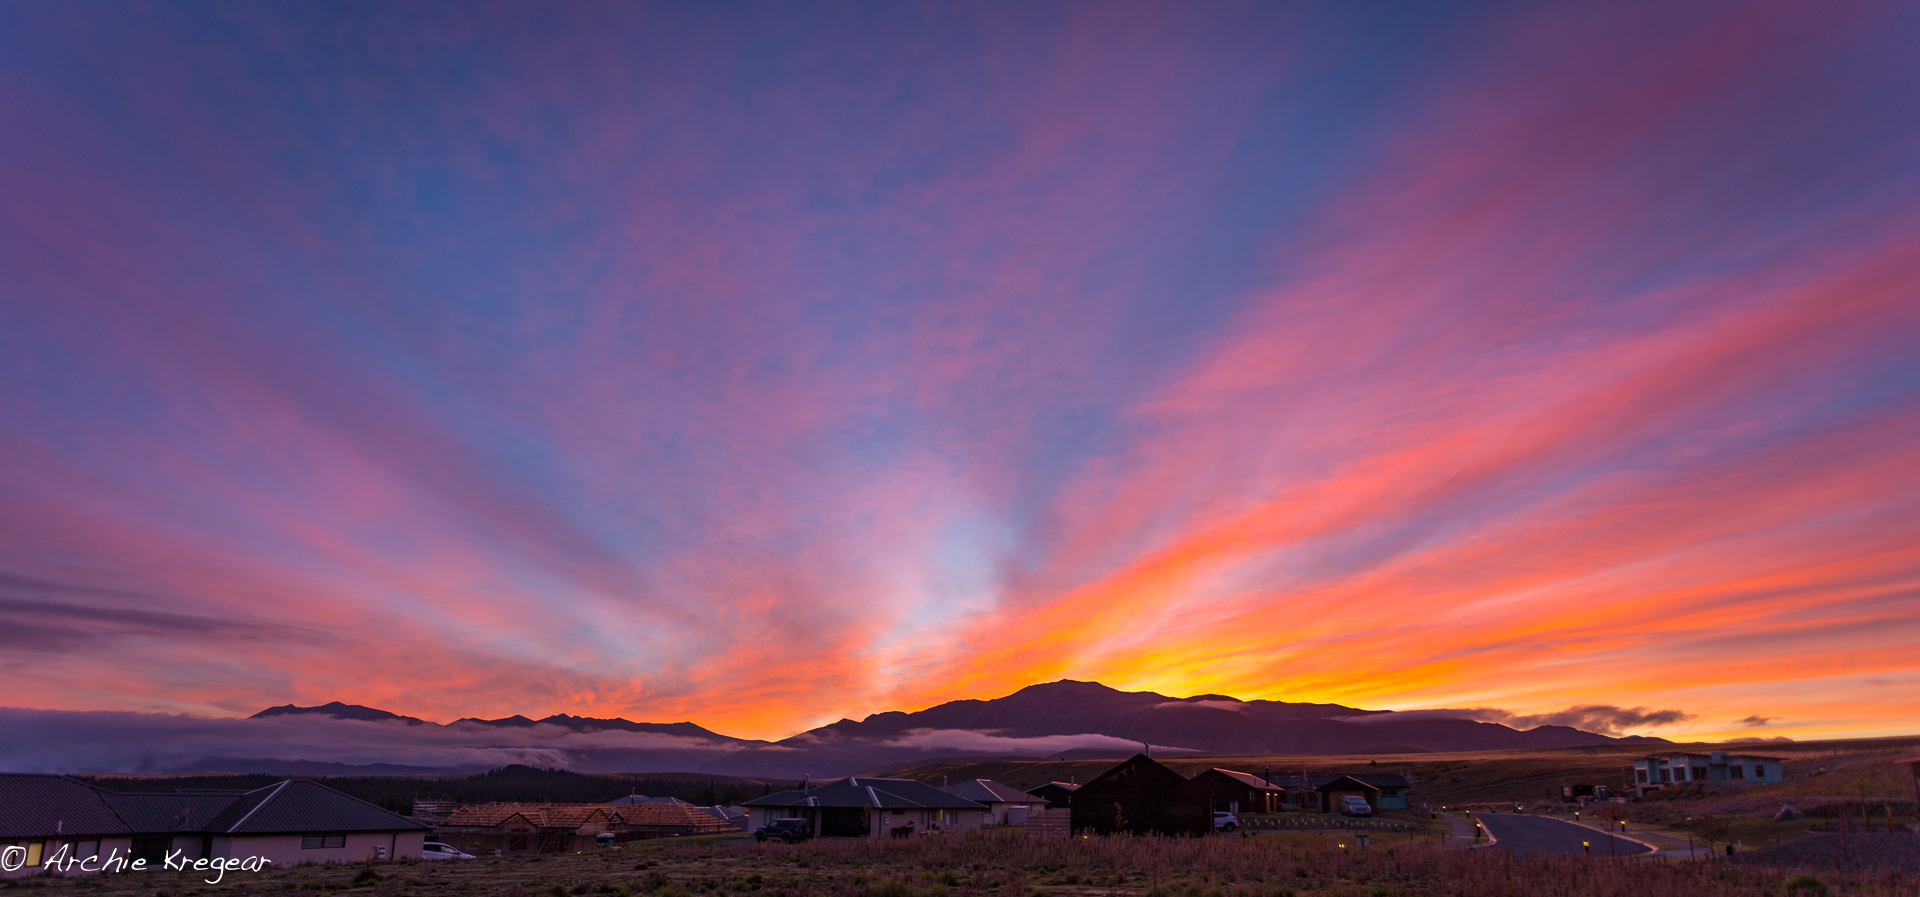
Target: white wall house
[
  {"x": 1666, "y": 770},
  {"x": 862, "y": 806}
]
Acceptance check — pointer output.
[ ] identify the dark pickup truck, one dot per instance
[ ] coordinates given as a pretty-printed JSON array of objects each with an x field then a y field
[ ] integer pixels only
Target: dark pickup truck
[{"x": 788, "y": 830}]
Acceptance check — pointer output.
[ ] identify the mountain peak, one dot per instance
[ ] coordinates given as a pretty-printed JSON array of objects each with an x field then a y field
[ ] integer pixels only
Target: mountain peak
[{"x": 336, "y": 710}]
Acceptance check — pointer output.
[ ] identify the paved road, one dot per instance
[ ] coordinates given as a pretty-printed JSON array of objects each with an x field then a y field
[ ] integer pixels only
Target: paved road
[{"x": 1527, "y": 835}]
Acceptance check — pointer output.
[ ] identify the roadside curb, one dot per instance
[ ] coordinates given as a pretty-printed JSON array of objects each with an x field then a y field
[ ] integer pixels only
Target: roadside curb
[
  {"x": 1654, "y": 848},
  {"x": 1491, "y": 840}
]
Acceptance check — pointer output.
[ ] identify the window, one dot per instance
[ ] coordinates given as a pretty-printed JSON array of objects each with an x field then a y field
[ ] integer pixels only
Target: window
[
  {"x": 1699, "y": 773},
  {"x": 1738, "y": 772},
  {"x": 322, "y": 842},
  {"x": 1666, "y": 775},
  {"x": 1759, "y": 771},
  {"x": 1640, "y": 775}
]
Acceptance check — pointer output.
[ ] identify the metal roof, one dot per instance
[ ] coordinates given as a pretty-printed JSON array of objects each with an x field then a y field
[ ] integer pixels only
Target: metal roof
[
  {"x": 863, "y": 791},
  {"x": 987, "y": 791},
  {"x": 40, "y": 805},
  {"x": 175, "y": 812},
  {"x": 297, "y": 805},
  {"x": 1248, "y": 779},
  {"x": 33, "y": 805}
]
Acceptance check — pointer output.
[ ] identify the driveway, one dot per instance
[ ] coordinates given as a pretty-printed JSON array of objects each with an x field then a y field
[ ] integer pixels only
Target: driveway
[{"x": 1528, "y": 835}]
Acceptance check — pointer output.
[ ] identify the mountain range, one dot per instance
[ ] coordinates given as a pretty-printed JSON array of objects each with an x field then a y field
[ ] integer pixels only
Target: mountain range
[{"x": 1065, "y": 719}]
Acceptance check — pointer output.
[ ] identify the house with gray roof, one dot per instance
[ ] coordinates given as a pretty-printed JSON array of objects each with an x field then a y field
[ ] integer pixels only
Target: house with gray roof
[
  {"x": 1006, "y": 805},
  {"x": 868, "y": 807},
  {"x": 290, "y": 822}
]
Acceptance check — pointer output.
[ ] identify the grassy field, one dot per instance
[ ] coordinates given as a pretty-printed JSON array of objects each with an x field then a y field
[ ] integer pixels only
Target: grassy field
[
  {"x": 998, "y": 864},
  {"x": 1496, "y": 777}
]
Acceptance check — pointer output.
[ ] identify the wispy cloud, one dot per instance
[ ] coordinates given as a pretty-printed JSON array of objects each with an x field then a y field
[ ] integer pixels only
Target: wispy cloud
[
  {"x": 992, "y": 742},
  {"x": 763, "y": 370}
]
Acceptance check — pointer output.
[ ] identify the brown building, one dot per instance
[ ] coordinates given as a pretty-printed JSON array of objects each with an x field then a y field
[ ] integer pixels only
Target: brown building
[
  {"x": 1142, "y": 797},
  {"x": 529, "y": 828},
  {"x": 1240, "y": 792}
]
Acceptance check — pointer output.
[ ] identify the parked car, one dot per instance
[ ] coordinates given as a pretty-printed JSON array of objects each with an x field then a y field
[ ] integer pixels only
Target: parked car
[
  {"x": 788, "y": 830},
  {"x": 440, "y": 850},
  {"x": 1225, "y": 822},
  {"x": 1355, "y": 805}
]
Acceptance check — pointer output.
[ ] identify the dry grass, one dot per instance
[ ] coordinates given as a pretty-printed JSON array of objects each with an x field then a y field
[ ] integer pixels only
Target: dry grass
[{"x": 997, "y": 865}]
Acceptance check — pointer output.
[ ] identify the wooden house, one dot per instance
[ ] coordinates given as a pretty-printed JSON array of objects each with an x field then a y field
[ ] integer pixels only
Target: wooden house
[
  {"x": 529, "y": 827},
  {"x": 1240, "y": 792},
  {"x": 1141, "y": 796}
]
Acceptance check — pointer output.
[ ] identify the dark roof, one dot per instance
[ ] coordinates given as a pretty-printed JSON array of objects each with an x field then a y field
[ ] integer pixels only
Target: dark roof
[
  {"x": 296, "y": 805},
  {"x": 1380, "y": 779},
  {"x": 37, "y": 805},
  {"x": 1373, "y": 781},
  {"x": 862, "y": 791},
  {"x": 175, "y": 812},
  {"x": 1317, "y": 780},
  {"x": 987, "y": 791},
  {"x": 1248, "y": 779},
  {"x": 1141, "y": 772},
  {"x": 32, "y": 805}
]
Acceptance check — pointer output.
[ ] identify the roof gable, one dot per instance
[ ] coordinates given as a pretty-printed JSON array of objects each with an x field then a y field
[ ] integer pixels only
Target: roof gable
[
  {"x": 1136, "y": 773},
  {"x": 987, "y": 791},
  {"x": 1242, "y": 778}
]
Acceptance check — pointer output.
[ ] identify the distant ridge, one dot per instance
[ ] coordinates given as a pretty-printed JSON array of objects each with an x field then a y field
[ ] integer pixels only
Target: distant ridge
[
  {"x": 338, "y": 711},
  {"x": 1071, "y": 718},
  {"x": 1067, "y": 719}
]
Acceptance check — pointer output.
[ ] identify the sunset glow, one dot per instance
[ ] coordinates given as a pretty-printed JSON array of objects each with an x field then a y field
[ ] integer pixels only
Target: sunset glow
[{"x": 764, "y": 369}]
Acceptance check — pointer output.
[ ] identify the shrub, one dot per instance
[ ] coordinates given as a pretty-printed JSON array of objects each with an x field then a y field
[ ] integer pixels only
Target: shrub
[
  {"x": 366, "y": 877},
  {"x": 1805, "y": 885}
]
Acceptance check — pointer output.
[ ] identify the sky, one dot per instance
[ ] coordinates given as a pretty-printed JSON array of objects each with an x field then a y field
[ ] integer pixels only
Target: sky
[{"x": 760, "y": 364}]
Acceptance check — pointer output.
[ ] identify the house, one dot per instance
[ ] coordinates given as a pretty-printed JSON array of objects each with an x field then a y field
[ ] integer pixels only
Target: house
[
  {"x": 1339, "y": 787},
  {"x": 1006, "y": 805},
  {"x": 1058, "y": 795},
  {"x": 513, "y": 827},
  {"x": 1240, "y": 792},
  {"x": 55, "y": 819},
  {"x": 1142, "y": 797},
  {"x": 666, "y": 816},
  {"x": 41, "y": 813},
  {"x": 1663, "y": 770},
  {"x": 862, "y": 806}
]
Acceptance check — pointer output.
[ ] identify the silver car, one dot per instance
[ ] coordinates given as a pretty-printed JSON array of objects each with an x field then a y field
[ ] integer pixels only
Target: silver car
[{"x": 438, "y": 850}]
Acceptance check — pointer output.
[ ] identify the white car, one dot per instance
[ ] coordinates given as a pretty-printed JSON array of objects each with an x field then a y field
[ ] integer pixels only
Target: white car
[
  {"x": 1355, "y": 805},
  {"x": 1225, "y": 822},
  {"x": 437, "y": 850}
]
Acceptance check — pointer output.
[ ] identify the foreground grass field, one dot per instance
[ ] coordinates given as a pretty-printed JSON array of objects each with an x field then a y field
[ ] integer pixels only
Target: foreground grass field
[{"x": 1003, "y": 865}]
